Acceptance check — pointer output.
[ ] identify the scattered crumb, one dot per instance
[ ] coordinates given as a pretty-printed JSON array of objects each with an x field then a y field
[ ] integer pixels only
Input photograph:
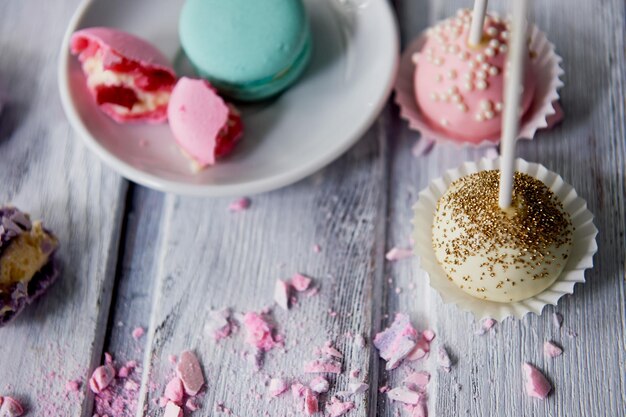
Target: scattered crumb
[
  {"x": 101, "y": 378},
  {"x": 10, "y": 407},
  {"x": 174, "y": 391},
  {"x": 557, "y": 319},
  {"x": 317, "y": 248},
  {"x": 240, "y": 205},
  {"x": 218, "y": 326},
  {"x": 300, "y": 282},
  {"x": 311, "y": 404},
  {"x": 397, "y": 254},
  {"x": 172, "y": 410},
  {"x": 281, "y": 294},
  {"x": 536, "y": 383},
  {"x": 357, "y": 387},
  {"x": 190, "y": 372},
  {"x": 416, "y": 380},
  {"x": 443, "y": 359},
  {"x": 277, "y": 386},
  {"x": 297, "y": 390},
  {"x": 138, "y": 333},
  {"x": 404, "y": 395},
  {"x": 319, "y": 384},
  {"x": 336, "y": 408},
  {"x": 552, "y": 350},
  {"x": 329, "y": 350},
  {"x": 323, "y": 366},
  {"x": 260, "y": 333},
  {"x": 397, "y": 341},
  {"x": 486, "y": 325}
]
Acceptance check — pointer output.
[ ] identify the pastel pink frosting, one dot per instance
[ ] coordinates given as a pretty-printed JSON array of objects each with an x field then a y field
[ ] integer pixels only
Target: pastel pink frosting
[
  {"x": 204, "y": 126},
  {"x": 459, "y": 88}
]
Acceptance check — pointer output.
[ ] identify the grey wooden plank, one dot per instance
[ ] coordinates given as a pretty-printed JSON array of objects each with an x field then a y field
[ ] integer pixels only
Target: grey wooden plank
[
  {"x": 589, "y": 151},
  {"x": 45, "y": 171},
  {"x": 211, "y": 258}
]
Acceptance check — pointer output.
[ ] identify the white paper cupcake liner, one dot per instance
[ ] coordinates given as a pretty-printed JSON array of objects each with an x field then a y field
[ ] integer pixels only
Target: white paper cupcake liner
[
  {"x": 544, "y": 111},
  {"x": 581, "y": 257}
]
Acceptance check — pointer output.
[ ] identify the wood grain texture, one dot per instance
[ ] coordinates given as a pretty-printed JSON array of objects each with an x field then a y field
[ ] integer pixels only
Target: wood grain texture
[
  {"x": 44, "y": 170},
  {"x": 211, "y": 258}
]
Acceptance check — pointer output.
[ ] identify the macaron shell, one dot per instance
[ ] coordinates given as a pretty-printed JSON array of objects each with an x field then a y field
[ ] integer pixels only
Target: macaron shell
[
  {"x": 443, "y": 69},
  {"x": 196, "y": 116},
  {"x": 246, "y": 45},
  {"x": 125, "y": 44}
]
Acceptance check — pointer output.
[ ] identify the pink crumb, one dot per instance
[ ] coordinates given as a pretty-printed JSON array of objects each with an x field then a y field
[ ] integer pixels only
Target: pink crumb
[
  {"x": 138, "y": 333},
  {"x": 536, "y": 383},
  {"x": 281, "y": 294},
  {"x": 354, "y": 373},
  {"x": 319, "y": 384},
  {"x": 397, "y": 341},
  {"x": 416, "y": 380},
  {"x": 72, "y": 386},
  {"x": 259, "y": 332},
  {"x": 219, "y": 325},
  {"x": 108, "y": 359},
  {"x": 191, "y": 404},
  {"x": 428, "y": 335},
  {"x": 404, "y": 396},
  {"x": 485, "y": 326},
  {"x": 277, "y": 386},
  {"x": 123, "y": 372},
  {"x": 397, "y": 254},
  {"x": 552, "y": 350},
  {"x": 240, "y": 205},
  {"x": 311, "y": 404},
  {"x": 300, "y": 282},
  {"x": 557, "y": 319},
  {"x": 172, "y": 359},
  {"x": 10, "y": 407},
  {"x": 190, "y": 372},
  {"x": 174, "y": 391},
  {"x": 322, "y": 366},
  {"x": 357, "y": 387},
  {"x": 101, "y": 378},
  {"x": 297, "y": 390},
  {"x": 329, "y": 350},
  {"x": 317, "y": 248},
  {"x": 443, "y": 359},
  {"x": 336, "y": 408},
  {"x": 383, "y": 389},
  {"x": 172, "y": 410}
]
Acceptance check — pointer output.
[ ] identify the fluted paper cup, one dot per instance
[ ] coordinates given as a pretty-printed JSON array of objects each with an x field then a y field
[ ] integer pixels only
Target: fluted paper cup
[
  {"x": 544, "y": 111},
  {"x": 581, "y": 256}
]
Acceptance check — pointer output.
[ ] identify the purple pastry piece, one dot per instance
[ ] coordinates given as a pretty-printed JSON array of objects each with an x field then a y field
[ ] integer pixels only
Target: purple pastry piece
[{"x": 14, "y": 297}]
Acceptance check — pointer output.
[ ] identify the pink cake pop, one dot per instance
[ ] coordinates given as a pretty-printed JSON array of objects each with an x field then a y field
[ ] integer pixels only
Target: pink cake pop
[{"x": 458, "y": 87}]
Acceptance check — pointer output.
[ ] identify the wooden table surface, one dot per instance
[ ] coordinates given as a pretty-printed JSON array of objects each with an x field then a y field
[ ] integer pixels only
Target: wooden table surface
[{"x": 136, "y": 257}]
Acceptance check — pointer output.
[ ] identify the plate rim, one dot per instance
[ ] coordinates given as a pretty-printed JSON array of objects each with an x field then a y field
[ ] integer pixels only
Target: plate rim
[{"x": 155, "y": 182}]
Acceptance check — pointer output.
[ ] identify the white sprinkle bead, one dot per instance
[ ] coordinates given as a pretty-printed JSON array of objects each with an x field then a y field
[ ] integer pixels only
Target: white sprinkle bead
[
  {"x": 468, "y": 76},
  {"x": 434, "y": 96},
  {"x": 505, "y": 35},
  {"x": 481, "y": 84},
  {"x": 464, "y": 56},
  {"x": 485, "y": 104},
  {"x": 494, "y": 43},
  {"x": 468, "y": 86},
  {"x": 489, "y": 115},
  {"x": 445, "y": 97},
  {"x": 456, "y": 98},
  {"x": 503, "y": 48},
  {"x": 438, "y": 62},
  {"x": 444, "y": 122},
  {"x": 485, "y": 65},
  {"x": 453, "y": 90},
  {"x": 415, "y": 58},
  {"x": 480, "y": 57},
  {"x": 453, "y": 49},
  {"x": 489, "y": 52},
  {"x": 481, "y": 74},
  {"x": 451, "y": 74},
  {"x": 499, "y": 106},
  {"x": 494, "y": 71},
  {"x": 491, "y": 31},
  {"x": 471, "y": 64},
  {"x": 462, "y": 107},
  {"x": 479, "y": 117}
]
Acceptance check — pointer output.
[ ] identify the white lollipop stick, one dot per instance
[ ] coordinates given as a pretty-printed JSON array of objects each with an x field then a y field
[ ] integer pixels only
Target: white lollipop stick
[
  {"x": 512, "y": 94},
  {"x": 478, "y": 20}
]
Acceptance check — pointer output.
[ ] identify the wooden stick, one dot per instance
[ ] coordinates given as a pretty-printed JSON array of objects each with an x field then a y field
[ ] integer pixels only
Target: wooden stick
[
  {"x": 513, "y": 92},
  {"x": 478, "y": 20}
]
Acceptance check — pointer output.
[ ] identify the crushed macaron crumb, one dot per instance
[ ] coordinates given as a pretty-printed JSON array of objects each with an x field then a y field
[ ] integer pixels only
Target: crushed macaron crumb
[
  {"x": 397, "y": 341},
  {"x": 536, "y": 384},
  {"x": 552, "y": 350}
]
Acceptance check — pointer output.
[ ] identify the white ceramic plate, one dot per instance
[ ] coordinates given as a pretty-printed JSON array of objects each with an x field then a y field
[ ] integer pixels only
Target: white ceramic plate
[{"x": 342, "y": 92}]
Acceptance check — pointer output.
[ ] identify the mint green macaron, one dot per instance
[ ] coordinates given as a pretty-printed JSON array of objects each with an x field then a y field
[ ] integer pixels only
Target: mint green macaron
[{"x": 248, "y": 49}]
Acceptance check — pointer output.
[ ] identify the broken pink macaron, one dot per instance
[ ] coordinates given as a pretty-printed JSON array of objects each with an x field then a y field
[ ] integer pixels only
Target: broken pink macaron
[
  {"x": 129, "y": 78},
  {"x": 204, "y": 126}
]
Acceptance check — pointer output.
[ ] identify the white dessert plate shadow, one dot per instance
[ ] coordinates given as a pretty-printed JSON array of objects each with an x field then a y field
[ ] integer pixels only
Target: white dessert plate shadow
[{"x": 340, "y": 95}]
